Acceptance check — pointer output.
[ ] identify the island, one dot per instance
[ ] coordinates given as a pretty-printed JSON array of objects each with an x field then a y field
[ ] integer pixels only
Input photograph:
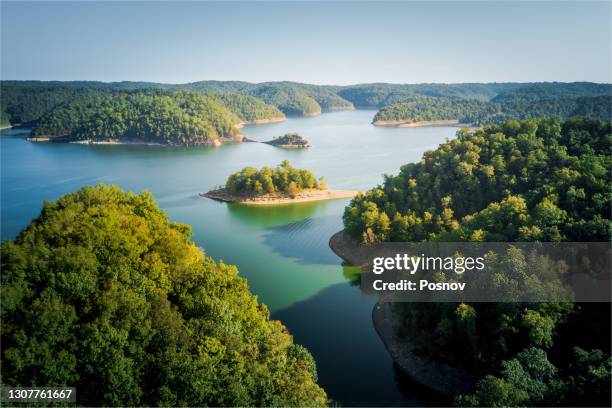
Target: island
[
  {"x": 289, "y": 141},
  {"x": 283, "y": 184}
]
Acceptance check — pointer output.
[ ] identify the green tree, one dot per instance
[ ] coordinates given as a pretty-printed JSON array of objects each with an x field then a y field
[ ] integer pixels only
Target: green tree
[{"x": 102, "y": 292}]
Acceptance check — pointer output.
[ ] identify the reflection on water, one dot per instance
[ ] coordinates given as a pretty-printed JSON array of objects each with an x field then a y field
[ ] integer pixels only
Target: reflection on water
[{"x": 271, "y": 215}]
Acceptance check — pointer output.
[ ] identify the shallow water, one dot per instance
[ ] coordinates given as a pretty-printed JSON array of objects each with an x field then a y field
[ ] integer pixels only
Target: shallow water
[{"x": 281, "y": 250}]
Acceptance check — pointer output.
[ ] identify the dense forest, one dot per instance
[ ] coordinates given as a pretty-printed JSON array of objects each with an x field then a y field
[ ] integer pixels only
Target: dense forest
[
  {"x": 533, "y": 180},
  {"x": 248, "y": 108},
  {"x": 425, "y": 108},
  {"x": 156, "y": 116},
  {"x": 380, "y": 95},
  {"x": 24, "y": 102},
  {"x": 284, "y": 179},
  {"x": 104, "y": 293},
  {"x": 529, "y": 180},
  {"x": 422, "y": 108},
  {"x": 290, "y": 97}
]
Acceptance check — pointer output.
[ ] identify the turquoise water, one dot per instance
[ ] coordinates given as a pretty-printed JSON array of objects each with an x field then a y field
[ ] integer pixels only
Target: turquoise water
[{"x": 281, "y": 250}]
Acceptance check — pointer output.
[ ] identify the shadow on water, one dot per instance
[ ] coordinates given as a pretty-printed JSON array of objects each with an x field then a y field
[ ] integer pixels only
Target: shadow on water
[
  {"x": 353, "y": 365},
  {"x": 305, "y": 240},
  {"x": 267, "y": 216}
]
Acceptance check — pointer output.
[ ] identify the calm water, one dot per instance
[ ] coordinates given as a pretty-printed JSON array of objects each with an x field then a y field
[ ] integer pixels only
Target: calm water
[{"x": 281, "y": 250}]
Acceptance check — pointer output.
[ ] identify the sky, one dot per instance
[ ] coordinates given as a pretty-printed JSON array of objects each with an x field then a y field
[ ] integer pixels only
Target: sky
[{"x": 313, "y": 42}]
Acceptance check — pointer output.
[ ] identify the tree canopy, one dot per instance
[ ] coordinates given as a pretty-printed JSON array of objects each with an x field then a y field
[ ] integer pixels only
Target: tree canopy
[
  {"x": 104, "y": 293},
  {"x": 247, "y": 108},
  {"x": 24, "y": 102},
  {"x": 532, "y": 180},
  {"x": 168, "y": 117},
  {"x": 423, "y": 108},
  {"x": 284, "y": 179}
]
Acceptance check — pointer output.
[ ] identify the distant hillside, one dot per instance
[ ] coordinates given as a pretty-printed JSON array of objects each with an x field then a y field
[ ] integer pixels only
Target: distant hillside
[
  {"x": 553, "y": 90},
  {"x": 248, "y": 108},
  {"x": 27, "y": 101},
  {"x": 421, "y": 108},
  {"x": 380, "y": 95},
  {"x": 151, "y": 116}
]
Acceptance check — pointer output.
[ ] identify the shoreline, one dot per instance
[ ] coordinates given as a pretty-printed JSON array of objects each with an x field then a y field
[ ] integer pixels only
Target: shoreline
[
  {"x": 440, "y": 377},
  {"x": 213, "y": 143},
  {"x": 277, "y": 199},
  {"x": 419, "y": 123}
]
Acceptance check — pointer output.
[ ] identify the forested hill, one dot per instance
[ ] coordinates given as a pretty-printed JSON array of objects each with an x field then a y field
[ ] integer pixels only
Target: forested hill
[
  {"x": 104, "y": 293},
  {"x": 248, "y": 108},
  {"x": 24, "y": 102},
  {"x": 153, "y": 116},
  {"x": 380, "y": 95},
  {"x": 422, "y": 108}
]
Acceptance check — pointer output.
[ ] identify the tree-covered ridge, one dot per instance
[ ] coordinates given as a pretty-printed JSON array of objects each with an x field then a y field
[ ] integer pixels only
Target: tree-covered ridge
[
  {"x": 519, "y": 181},
  {"x": 27, "y": 101},
  {"x": 284, "y": 179},
  {"x": 247, "y": 108},
  {"x": 167, "y": 117},
  {"x": 421, "y": 108},
  {"x": 553, "y": 90},
  {"x": 104, "y": 293},
  {"x": 380, "y": 95},
  {"x": 424, "y": 108},
  {"x": 22, "y": 103},
  {"x": 288, "y": 99},
  {"x": 281, "y": 93}
]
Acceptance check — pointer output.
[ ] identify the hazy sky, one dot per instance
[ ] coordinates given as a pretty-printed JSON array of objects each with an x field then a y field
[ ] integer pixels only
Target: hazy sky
[{"x": 315, "y": 42}]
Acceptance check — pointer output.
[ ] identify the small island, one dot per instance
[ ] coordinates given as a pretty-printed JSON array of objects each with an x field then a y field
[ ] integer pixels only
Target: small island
[
  {"x": 283, "y": 184},
  {"x": 289, "y": 141}
]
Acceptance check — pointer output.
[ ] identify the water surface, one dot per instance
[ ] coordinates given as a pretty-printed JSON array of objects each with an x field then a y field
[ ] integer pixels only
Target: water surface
[{"x": 281, "y": 250}]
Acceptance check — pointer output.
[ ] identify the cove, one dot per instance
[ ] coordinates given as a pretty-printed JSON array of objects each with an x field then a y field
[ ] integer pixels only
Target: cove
[{"x": 282, "y": 250}]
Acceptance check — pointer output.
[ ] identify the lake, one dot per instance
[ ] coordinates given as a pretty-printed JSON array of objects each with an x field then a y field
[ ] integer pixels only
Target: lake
[{"x": 282, "y": 250}]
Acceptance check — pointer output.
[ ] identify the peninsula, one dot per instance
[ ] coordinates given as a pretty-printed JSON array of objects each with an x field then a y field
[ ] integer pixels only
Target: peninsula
[
  {"x": 404, "y": 349},
  {"x": 283, "y": 184}
]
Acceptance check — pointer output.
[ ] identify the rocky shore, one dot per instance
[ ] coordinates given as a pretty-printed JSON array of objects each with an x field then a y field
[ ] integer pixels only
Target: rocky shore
[{"x": 438, "y": 376}]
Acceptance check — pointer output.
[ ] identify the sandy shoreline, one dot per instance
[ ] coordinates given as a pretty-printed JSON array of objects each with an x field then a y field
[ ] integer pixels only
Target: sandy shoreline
[
  {"x": 440, "y": 377},
  {"x": 276, "y": 199},
  {"x": 421, "y": 123}
]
